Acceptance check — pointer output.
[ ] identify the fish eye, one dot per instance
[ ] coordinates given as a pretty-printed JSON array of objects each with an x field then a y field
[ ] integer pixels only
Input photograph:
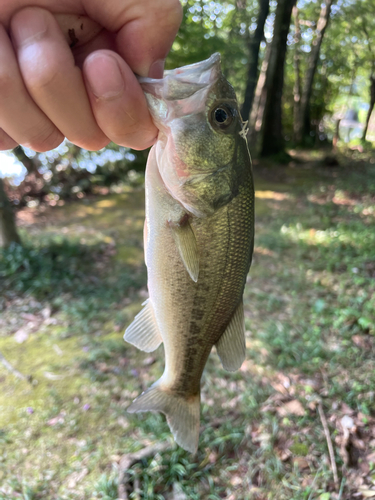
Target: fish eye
[{"x": 222, "y": 116}]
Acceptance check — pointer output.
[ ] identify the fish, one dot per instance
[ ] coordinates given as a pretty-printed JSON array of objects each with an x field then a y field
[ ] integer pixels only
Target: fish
[{"x": 198, "y": 239}]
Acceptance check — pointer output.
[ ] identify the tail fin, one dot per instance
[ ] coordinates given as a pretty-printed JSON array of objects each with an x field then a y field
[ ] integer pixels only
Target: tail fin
[{"x": 183, "y": 415}]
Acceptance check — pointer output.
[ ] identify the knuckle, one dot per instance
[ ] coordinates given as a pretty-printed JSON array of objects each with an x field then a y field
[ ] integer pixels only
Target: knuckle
[
  {"x": 92, "y": 145},
  {"x": 6, "y": 142},
  {"x": 135, "y": 140},
  {"x": 175, "y": 11},
  {"x": 43, "y": 78},
  {"x": 45, "y": 141},
  {"x": 6, "y": 83}
]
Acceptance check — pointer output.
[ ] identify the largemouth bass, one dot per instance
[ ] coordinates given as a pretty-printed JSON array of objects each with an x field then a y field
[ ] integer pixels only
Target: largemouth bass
[{"x": 198, "y": 239}]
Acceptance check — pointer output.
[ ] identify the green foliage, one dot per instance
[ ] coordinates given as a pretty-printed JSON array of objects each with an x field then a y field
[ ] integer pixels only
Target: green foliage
[
  {"x": 42, "y": 269},
  {"x": 309, "y": 304},
  {"x": 106, "y": 487},
  {"x": 341, "y": 82}
]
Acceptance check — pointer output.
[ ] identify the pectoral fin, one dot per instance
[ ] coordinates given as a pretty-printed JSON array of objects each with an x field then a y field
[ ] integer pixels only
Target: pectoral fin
[
  {"x": 144, "y": 332},
  {"x": 231, "y": 346},
  {"x": 186, "y": 243}
]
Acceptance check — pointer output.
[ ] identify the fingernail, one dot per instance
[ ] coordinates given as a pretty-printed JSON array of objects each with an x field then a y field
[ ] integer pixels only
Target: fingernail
[
  {"x": 104, "y": 77},
  {"x": 157, "y": 69},
  {"x": 28, "y": 26}
]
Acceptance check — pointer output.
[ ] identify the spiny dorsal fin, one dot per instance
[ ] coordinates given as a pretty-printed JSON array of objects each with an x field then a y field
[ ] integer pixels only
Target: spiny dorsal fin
[
  {"x": 186, "y": 243},
  {"x": 144, "y": 332},
  {"x": 231, "y": 346}
]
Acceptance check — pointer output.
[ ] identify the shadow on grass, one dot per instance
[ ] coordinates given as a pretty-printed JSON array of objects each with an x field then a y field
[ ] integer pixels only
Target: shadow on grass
[{"x": 82, "y": 281}]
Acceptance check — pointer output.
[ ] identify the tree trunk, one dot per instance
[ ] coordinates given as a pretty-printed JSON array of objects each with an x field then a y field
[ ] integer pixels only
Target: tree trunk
[
  {"x": 271, "y": 133},
  {"x": 31, "y": 164},
  {"x": 256, "y": 115},
  {"x": 312, "y": 65},
  {"x": 8, "y": 231},
  {"x": 297, "y": 122},
  {"x": 336, "y": 137},
  {"x": 372, "y": 104},
  {"x": 254, "y": 45}
]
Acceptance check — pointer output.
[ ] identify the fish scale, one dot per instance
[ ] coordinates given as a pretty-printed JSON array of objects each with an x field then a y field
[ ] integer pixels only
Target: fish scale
[{"x": 199, "y": 235}]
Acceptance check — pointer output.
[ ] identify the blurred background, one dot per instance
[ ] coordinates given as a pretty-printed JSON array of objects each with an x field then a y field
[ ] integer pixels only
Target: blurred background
[{"x": 298, "y": 420}]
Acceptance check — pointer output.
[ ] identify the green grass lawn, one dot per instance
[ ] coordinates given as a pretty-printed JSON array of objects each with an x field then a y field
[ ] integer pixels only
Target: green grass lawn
[{"x": 68, "y": 295}]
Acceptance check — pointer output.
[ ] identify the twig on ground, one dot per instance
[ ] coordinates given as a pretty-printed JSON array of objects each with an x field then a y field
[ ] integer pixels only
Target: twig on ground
[
  {"x": 131, "y": 458},
  {"x": 13, "y": 370},
  {"x": 329, "y": 444}
]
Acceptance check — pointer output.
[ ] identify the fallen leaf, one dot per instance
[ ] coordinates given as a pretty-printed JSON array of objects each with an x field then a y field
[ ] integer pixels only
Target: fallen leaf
[
  {"x": 56, "y": 420},
  {"x": 149, "y": 361},
  {"x": 279, "y": 388},
  {"x": 294, "y": 407},
  {"x": 76, "y": 477},
  {"x": 122, "y": 422},
  {"x": 103, "y": 367},
  {"x": 46, "y": 312},
  {"x": 53, "y": 376},
  {"x": 367, "y": 493},
  {"x": 325, "y": 496},
  {"x": 347, "y": 422},
  {"x": 346, "y": 409},
  {"x": 21, "y": 336},
  {"x": 29, "y": 317},
  {"x": 301, "y": 462}
]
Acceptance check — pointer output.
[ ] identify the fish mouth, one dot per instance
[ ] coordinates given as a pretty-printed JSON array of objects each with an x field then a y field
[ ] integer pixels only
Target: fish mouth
[
  {"x": 196, "y": 71},
  {"x": 181, "y": 83}
]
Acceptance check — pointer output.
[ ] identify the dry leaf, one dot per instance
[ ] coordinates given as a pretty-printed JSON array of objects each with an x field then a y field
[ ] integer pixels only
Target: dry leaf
[
  {"x": 46, "y": 312},
  {"x": 53, "y": 376},
  {"x": 292, "y": 408},
  {"x": 21, "y": 336},
  {"x": 56, "y": 420},
  {"x": 367, "y": 493},
  {"x": 301, "y": 462},
  {"x": 279, "y": 388},
  {"x": 149, "y": 361},
  {"x": 347, "y": 422},
  {"x": 29, "y": 317},
  {"x": 76, "y": 477}
]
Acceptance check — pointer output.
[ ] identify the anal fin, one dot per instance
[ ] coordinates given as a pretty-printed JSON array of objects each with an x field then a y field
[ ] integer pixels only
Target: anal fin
[
  {"x": 186, "y": 243},
  {"x": 144, "y": 332},
  {"x": 231, "y": 346}
]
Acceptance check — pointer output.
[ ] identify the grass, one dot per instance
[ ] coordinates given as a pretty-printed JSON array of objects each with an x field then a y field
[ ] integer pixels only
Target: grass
[{"x": 309, "y": 307}]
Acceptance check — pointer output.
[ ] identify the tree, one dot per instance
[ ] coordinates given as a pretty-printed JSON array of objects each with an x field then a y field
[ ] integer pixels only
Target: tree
[
  {"x": 8, "y": 230},
  {"x": 303, "y": 125},
  {"x": 371, "y": 52},
  {"x": 253, "y": 47},
  {"x": 271, "y": 140},
  {"x": 372, "y": 104},
  {"x": 297, "y": 122}
]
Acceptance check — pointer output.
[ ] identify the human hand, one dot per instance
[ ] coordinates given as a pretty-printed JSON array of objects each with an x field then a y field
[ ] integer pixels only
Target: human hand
[{"x": 67, "y": 70}]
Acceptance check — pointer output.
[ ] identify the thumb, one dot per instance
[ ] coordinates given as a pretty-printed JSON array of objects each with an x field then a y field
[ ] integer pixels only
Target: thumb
[{"x": 145, "y": 30}]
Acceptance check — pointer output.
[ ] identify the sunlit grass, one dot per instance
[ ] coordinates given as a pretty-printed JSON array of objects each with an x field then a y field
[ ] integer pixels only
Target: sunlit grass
[{"x": 309, "y": 317}]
